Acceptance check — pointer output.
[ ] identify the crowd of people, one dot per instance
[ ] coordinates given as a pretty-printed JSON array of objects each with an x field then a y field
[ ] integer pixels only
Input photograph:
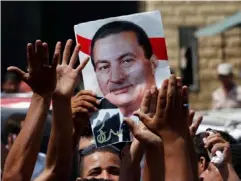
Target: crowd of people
[{"x": 165, "y": 145}]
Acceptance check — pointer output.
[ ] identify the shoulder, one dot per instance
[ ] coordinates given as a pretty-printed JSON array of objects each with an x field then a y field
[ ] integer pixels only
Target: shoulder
[{"x": 217, "y": 93}]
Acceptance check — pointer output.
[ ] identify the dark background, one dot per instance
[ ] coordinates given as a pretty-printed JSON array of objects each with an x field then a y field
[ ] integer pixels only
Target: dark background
[{"x": 50, "y": 21}]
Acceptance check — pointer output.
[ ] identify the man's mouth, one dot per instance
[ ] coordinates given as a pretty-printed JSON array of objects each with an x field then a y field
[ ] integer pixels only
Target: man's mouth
[{"x": 121, "y": 90}]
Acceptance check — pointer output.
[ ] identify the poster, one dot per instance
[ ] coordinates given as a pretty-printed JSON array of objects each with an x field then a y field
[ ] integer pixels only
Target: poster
[{"x": 128, "y": 55}]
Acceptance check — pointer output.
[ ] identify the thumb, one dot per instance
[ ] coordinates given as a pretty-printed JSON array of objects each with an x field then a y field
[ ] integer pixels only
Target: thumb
[
  {"x": 145, "y": 119},
  {"x": 17, "y": 71},
  {"x": 131, "y": 124}
]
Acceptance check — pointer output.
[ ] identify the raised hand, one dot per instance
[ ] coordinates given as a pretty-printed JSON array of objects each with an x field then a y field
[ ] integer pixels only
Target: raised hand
[
  {"x": 139, "y": 130},
  {"x": 66, "y": 74},
  {"x": 169, "y": 119},
  {"x": 41, "y": 76}
]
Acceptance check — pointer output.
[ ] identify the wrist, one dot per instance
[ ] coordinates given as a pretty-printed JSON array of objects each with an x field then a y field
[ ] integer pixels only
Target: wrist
[
  {"x": 61, "y": 98},
  {"x": 45, "y": 98}
]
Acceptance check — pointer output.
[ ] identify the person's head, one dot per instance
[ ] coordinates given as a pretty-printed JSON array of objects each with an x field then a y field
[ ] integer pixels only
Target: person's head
[
  {"x": 12, "y": 125},
  {"x": 225, "y": 74},
  {"x": 11, "y": 83},
  {"x": 99, "y": 163},
  {"x": 122, "y": 57},
  {"x": 202, "y": 154}
]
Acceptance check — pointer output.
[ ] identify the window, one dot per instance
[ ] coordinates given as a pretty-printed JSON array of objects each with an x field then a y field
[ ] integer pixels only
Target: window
[{"x": 188, "y": 60}]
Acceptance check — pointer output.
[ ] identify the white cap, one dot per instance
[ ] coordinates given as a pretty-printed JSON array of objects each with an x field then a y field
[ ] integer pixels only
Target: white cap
[{"x": 225, "y": 69}]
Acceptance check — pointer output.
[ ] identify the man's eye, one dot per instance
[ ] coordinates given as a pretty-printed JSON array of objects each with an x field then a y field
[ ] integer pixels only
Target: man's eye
[
  {"x": 114, "y": 171},
  {"x": 127, "y": 62},
  {"x": 103, "y": 67},
  {"x": 95, "y": 173}
]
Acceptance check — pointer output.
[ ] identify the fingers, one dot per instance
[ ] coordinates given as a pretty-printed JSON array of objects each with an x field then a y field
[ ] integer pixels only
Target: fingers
[
  {"x": 171, "y": 93},
  {"x": 39, "y": 53},
  {"x": 153, "y": 102},
  {"x": 66, "y": 53},
  {"x": 82, "y": 65},
  {"x": 57, "y": 52},
  {"x": 145, "y": 103},
  {"x": 45, "y": 54},
  {"x": 85, "y": 92},
  {"x": 135, "y": 130},
  {"x": 131, "y": 124},
  {"x": 87, "y": 98},
  {"x": 74, "y": 56},
  {"x": 218, "y": 146},
  {"x": 161, "y": 102},
  {"x": 30, "y": 56},
  {"x": 185, "y": 100},
  {"x": 87, "y": 105},
  {"x": 191, "y": 116},
  {"x": 197, "y": 123},
  {"x": 179, "y": 93},
  {"x": 145, "y": 119},
  {"x": 18, "y": 71},
  {"x": 213, "y": 140}
]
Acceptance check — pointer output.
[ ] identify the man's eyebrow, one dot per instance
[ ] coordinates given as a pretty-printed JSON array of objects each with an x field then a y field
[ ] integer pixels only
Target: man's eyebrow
[
  {"x": 127, "y": 54},
  {"x": 101, "y": 61}
]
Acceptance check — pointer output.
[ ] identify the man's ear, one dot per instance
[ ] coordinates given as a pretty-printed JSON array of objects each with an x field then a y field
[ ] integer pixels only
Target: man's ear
[
  {"x": 154, "y": 63},
  {"x": 202, "y": 163}
]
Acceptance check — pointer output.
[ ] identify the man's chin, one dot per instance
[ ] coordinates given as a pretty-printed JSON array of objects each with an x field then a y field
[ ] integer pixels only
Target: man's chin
[{"x": 120, "y": 101}]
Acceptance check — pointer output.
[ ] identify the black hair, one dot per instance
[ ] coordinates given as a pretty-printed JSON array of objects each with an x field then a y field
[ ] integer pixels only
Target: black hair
[
  {"x": 118, "y": 27},
  {"x": 95, "y": 179},
  {"x": 12, "y": 76},
  {"x": 92, "y": 149},
  {"x": 199, "y": 146},
  {"x": 12, "y": 125}
]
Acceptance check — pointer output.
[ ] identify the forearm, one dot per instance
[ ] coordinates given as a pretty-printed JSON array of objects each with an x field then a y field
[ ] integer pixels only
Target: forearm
[
  {"x": 131, "y": 166},
  {"x": 60, "y": 146},
  {"x": 232, "y": 175},
  {"x": 178, "y": 161},
  {"x": 22, "y": 157},
  {"x": 154, "y": 163}
]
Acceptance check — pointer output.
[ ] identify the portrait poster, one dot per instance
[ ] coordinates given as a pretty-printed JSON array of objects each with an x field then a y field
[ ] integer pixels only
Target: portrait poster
[{"x": 128, "y": 55}]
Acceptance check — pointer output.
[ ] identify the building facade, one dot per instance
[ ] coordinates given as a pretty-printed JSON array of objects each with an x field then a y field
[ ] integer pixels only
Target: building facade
[{"x": 180, "y": 17}]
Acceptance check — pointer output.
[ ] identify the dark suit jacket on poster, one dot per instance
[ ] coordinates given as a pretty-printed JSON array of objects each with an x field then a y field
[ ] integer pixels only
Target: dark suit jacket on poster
[{"x": 107, "y": 124}]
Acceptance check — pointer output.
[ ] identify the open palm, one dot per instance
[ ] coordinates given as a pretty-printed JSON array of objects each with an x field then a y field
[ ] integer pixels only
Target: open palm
[
  {"x": 41, "y": 75},
  {"x": 67, "y": 76}
]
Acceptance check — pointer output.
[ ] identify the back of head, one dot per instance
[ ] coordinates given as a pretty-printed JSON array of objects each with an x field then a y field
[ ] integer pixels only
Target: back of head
[
  {"x": 199, "y": 146},
  {"x": 122, "y": 26},
  {"x": 12, "y": 125},
  {"x": 11, "y": 82}
]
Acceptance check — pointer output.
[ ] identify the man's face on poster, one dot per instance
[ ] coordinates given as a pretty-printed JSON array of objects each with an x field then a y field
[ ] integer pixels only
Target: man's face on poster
[{"x": 122, "y": 70}]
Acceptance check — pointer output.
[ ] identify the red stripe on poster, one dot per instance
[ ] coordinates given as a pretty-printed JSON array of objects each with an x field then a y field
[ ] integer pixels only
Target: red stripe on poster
[{"x": 158, "y": 46}]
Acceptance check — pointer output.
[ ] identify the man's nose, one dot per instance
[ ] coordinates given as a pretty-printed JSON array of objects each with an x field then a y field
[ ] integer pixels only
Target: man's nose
[
  {"x": 105, "y": 175},
  {"x": 117, "y": 75}
]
